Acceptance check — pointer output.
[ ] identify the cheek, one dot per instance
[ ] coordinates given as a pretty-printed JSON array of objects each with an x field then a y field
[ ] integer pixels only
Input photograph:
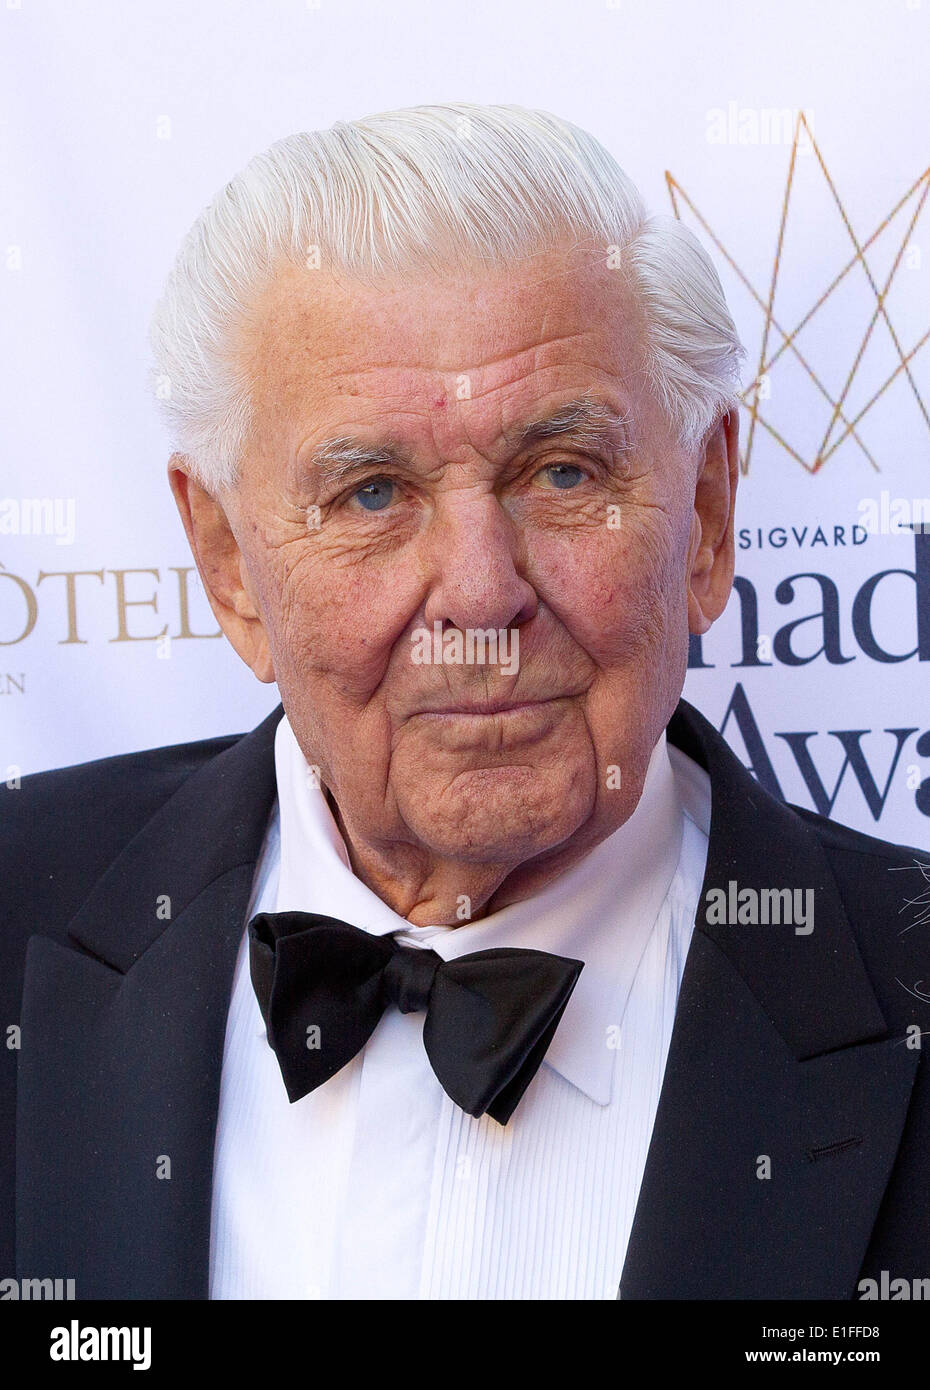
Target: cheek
[
  {"x": 340, "y": 622},
  {"x": 615, "y": 591}
]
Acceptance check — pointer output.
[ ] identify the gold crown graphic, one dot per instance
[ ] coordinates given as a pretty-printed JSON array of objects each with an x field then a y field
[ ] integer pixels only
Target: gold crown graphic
[{"x": 777, "y": 341}]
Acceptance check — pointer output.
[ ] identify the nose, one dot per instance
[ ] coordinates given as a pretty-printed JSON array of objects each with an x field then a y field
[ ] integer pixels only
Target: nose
[{"x": 475, "y": 562}]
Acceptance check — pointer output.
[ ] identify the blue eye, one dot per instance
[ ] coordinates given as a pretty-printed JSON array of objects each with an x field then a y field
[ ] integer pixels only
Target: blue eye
[
  {"x": 376, "y": 495},
  {"x": 563, "y": 475}
]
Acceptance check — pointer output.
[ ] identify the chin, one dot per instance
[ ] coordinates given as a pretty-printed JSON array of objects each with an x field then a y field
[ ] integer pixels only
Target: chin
[{"x": 500, "y": 815}]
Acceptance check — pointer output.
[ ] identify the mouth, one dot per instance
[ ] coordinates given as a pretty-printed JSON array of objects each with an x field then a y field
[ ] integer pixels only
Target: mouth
[
  {"x": 485, "y": 708},
  {"x": 476, "y": 728}
]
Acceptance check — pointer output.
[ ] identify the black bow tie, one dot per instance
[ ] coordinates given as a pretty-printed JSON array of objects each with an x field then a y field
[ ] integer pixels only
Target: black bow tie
[{"x": 322, "y": 986}]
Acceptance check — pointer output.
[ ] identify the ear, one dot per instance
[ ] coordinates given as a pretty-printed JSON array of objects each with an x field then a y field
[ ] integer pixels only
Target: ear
[
  {"x": 222, "y": 568},
  {"x": 711, "y": 558}
]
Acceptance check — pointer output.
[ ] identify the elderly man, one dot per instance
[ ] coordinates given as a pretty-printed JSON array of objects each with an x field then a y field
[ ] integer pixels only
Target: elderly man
[{"x": 483, "y": 969}]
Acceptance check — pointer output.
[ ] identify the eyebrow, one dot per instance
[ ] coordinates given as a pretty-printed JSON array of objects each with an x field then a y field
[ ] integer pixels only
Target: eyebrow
[
  {"x": 589, "y": 422},
  {"x": 592, "y": 423}
]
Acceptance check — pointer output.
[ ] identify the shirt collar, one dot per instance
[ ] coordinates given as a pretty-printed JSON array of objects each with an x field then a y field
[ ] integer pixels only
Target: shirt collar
[{"x": 601, "y": 911}]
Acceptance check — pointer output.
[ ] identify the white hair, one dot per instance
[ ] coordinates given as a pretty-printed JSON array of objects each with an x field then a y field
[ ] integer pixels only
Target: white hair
[{"x": 425, "y": 189}]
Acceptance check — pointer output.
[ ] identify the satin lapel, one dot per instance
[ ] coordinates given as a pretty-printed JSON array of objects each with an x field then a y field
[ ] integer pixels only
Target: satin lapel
[
  {"x": 783, "y": 1099},
  {"x": 122, "y": 1045}
]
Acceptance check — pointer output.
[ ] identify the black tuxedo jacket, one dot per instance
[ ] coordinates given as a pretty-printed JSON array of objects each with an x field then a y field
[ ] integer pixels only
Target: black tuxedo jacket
[{"x": 788, "y": 1048}]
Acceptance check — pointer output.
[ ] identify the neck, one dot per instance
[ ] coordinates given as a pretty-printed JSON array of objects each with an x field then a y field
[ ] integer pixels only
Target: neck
[{"x": 431, "y": 891}]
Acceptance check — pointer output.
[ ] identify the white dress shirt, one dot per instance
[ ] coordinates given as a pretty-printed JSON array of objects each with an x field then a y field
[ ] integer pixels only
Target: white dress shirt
[{"x": 376, "y": 1185}]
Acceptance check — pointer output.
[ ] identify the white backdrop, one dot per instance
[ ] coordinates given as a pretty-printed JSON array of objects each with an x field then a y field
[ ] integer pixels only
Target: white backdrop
[{"x": 119, "y": 122}]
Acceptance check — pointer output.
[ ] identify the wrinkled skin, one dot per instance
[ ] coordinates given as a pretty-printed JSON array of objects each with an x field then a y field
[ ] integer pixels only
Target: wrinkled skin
[{"x": 439, "y": 796}]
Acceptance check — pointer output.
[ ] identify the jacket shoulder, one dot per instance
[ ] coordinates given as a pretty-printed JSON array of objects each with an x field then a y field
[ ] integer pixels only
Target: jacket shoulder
[
  {"x": 59, "y": 830},
  {"x": 885, "y": 891},
  {"x": 839, "y": 838}
]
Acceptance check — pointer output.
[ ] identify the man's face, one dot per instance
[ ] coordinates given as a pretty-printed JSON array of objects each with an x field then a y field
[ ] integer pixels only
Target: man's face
[{"x": 584, "y": 545}]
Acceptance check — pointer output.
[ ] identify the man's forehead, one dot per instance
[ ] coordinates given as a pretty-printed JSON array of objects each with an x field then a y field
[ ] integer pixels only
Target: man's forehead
[
  {"x": 498, "y": 352},
  {"x": 429, "y": 319}
]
